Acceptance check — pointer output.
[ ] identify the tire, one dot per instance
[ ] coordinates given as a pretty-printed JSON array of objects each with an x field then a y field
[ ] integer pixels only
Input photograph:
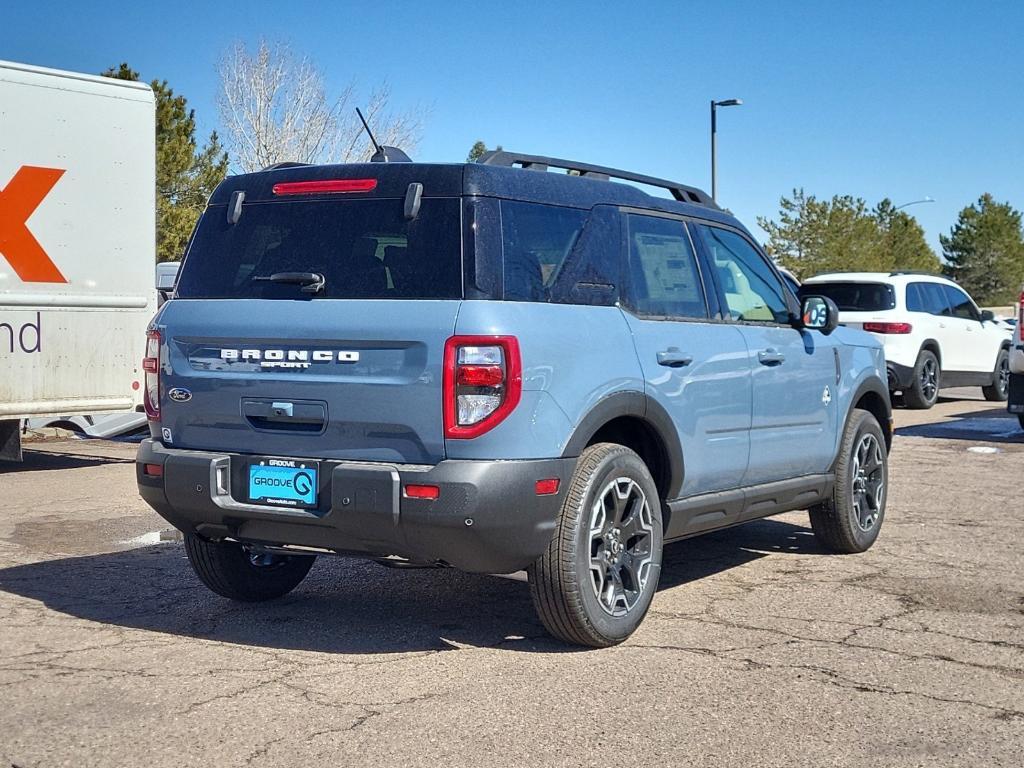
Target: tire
[
  {"x": 924, "y": 390},
  {"x": 999, "y": 389},
  {"x": 232, "y": 571},
  {"x": 850, "y": 520},
  {"x": 596, "y": 580},
  {"x": 1020, "y": 419}
]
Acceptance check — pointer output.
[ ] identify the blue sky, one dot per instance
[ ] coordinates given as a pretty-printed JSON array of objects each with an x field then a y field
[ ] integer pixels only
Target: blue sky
[{"x": 874, "y": 99}]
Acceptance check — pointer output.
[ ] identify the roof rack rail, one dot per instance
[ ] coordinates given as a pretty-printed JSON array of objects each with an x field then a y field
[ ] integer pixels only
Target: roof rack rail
[
  {"x": 285, "y": 164},
  {"x": 896, "y": 272},
  {"x": 681, "y": 192}
]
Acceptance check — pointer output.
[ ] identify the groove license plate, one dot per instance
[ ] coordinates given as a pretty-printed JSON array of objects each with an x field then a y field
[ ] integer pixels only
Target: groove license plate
[{"x": 284, "y": 482}]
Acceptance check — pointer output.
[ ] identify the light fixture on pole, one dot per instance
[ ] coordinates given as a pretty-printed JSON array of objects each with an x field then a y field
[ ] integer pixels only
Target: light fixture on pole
[
  {"x": 714, "y": 131},
  {"x": 925, "y": 199}
]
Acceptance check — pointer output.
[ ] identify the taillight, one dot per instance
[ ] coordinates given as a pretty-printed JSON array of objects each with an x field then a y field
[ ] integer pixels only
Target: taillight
[
  {"x": 888, "y": 327},
  {"x": 151, "y": 365},
  {"x": 482, "y": 383}
]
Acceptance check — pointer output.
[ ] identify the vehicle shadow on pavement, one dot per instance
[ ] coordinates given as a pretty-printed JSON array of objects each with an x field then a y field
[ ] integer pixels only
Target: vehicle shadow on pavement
[
  {"x": 43, "y": 461},
  {"x": 992, "y": 425},
  {"x": 349, "y": 606}
]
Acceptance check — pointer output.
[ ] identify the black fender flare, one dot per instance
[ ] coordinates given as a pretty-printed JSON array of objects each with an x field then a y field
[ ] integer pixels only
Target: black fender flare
[
  {"x": 878, "y": 387},
  {"x": 641, "y": 406}
]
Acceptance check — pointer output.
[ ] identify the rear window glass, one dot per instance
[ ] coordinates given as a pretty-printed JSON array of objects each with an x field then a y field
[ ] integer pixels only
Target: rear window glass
[
  {"x": 364, "y": 249},
  {"x": 854, "y": 297},
  {"x": 537, "y": 239}
]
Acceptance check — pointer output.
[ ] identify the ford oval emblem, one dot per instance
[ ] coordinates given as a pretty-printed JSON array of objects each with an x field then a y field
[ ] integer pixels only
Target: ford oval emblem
[{"x": 180, "y": 395}]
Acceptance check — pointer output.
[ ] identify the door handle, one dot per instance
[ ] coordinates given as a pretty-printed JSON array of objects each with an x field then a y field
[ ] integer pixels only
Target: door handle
[
  {"x": 673, "y": 358},
  {"x": 770, "y": 357}
]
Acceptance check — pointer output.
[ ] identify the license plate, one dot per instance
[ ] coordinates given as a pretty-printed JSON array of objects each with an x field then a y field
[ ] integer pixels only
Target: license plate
[{"x": 284, "y": 482}]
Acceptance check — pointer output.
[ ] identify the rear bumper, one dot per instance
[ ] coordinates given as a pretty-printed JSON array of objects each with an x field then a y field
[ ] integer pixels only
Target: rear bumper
[
  {"x": 487, "y": 518},
  {"x": 900, "y": 376}
]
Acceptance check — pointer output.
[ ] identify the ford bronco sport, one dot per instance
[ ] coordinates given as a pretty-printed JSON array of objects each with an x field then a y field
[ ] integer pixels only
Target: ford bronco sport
[{"x": 496, "y": 367}]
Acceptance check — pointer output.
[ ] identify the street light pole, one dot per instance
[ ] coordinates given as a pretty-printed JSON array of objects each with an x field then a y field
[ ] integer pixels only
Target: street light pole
[{"x": 714, "y": 141}]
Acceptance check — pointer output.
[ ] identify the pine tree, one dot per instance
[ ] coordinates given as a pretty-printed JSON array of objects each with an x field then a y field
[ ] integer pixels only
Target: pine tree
[
  {"x": 985, "y": 251},
  {"x": 478, "y": 150},
  {"x": 842, "y": 235},
  {"x": 186, "y": 175}
]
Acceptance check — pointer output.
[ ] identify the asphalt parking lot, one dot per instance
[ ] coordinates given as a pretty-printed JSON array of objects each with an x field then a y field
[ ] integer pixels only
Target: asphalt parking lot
[{"x": 759, "y": 649}]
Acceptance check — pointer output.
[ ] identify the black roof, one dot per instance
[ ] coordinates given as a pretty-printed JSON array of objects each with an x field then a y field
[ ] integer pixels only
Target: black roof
[{"x": 476, "y": 179}]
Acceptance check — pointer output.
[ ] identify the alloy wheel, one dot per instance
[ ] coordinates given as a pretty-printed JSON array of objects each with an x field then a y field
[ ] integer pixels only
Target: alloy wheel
[
  {"x": 621, "y": 544},
  {"x": 868, "y": 481},
  {"x": 1003, "y": 376},
  {"x": 929, "y": 379}
]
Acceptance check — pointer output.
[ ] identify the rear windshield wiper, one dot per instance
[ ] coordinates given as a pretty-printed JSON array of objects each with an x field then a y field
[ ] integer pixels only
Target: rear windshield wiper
[{"x": 311, "y": 282}]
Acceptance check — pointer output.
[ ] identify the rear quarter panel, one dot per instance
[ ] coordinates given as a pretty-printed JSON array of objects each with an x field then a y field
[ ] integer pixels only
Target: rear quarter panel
[{"x": 573, "y": 357}]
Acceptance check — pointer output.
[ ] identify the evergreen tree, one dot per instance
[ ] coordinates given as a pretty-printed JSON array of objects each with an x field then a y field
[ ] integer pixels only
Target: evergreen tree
[
  {"x": 985, "y": 251},
  {"x": 902, "y": 241},
  {"x": 186, "y": 174},
  {"x": 478, "y": 150},
  {"x": 842, "y": 235}
]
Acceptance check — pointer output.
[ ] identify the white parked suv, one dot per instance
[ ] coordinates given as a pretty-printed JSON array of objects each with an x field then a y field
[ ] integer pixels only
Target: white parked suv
[
  {"x": 933, "y": 333},
  {"x": 1016, "y": 404}
]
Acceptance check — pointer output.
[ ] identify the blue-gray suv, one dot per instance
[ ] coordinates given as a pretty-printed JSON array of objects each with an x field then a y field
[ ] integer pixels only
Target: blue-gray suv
[{"x": 495, "y": 366}]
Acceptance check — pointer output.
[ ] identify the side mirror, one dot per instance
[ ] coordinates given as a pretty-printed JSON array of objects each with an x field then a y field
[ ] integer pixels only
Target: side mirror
[
  {"x": 988, "y": 316},
  {"x": 819, "y": 313}
]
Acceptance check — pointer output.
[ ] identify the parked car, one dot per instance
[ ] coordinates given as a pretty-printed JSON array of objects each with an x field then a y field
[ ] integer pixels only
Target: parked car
[
  {"x": 933, "y": 333},
  {"x": 493, "y": 367},
  {"x": 1016, "y": 366},
  {"x": 790, "y": 279}
]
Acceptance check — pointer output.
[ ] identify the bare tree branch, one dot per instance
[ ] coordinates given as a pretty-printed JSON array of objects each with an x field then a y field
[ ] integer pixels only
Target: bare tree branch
[{"x": 275, "y": 107}]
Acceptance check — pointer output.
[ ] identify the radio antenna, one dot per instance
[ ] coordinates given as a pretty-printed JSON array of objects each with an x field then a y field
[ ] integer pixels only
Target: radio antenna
[{"x": 369, "y": 133}]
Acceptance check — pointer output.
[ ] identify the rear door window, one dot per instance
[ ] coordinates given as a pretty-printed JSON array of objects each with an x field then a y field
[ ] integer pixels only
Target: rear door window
[
  {"x": 364, "y": 249},
  {"x": 663, "y": 277},
  {"x": 855, "y": 297},
  {"x": 934, "y": 299}
]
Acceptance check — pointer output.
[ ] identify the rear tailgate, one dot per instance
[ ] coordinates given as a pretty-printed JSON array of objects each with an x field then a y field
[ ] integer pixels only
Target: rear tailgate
[{"x": 320, "y": 379}]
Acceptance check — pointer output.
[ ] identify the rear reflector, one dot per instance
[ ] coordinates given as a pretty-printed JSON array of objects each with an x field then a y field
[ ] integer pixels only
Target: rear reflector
[
  {"x": 888, "y": 327},
  {"x": 422, "y": 491},
  {"x": 153, "y": 470},
  {"x": 326, "y": 186},
  {"x": 547, "y": 487}
]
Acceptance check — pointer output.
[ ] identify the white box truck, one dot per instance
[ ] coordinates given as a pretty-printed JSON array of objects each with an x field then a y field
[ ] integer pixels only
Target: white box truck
[{"x": 77, "y": 244}]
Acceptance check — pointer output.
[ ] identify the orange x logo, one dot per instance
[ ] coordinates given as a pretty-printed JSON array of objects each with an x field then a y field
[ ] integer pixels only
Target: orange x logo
[{"x": 18, "y": 201}]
